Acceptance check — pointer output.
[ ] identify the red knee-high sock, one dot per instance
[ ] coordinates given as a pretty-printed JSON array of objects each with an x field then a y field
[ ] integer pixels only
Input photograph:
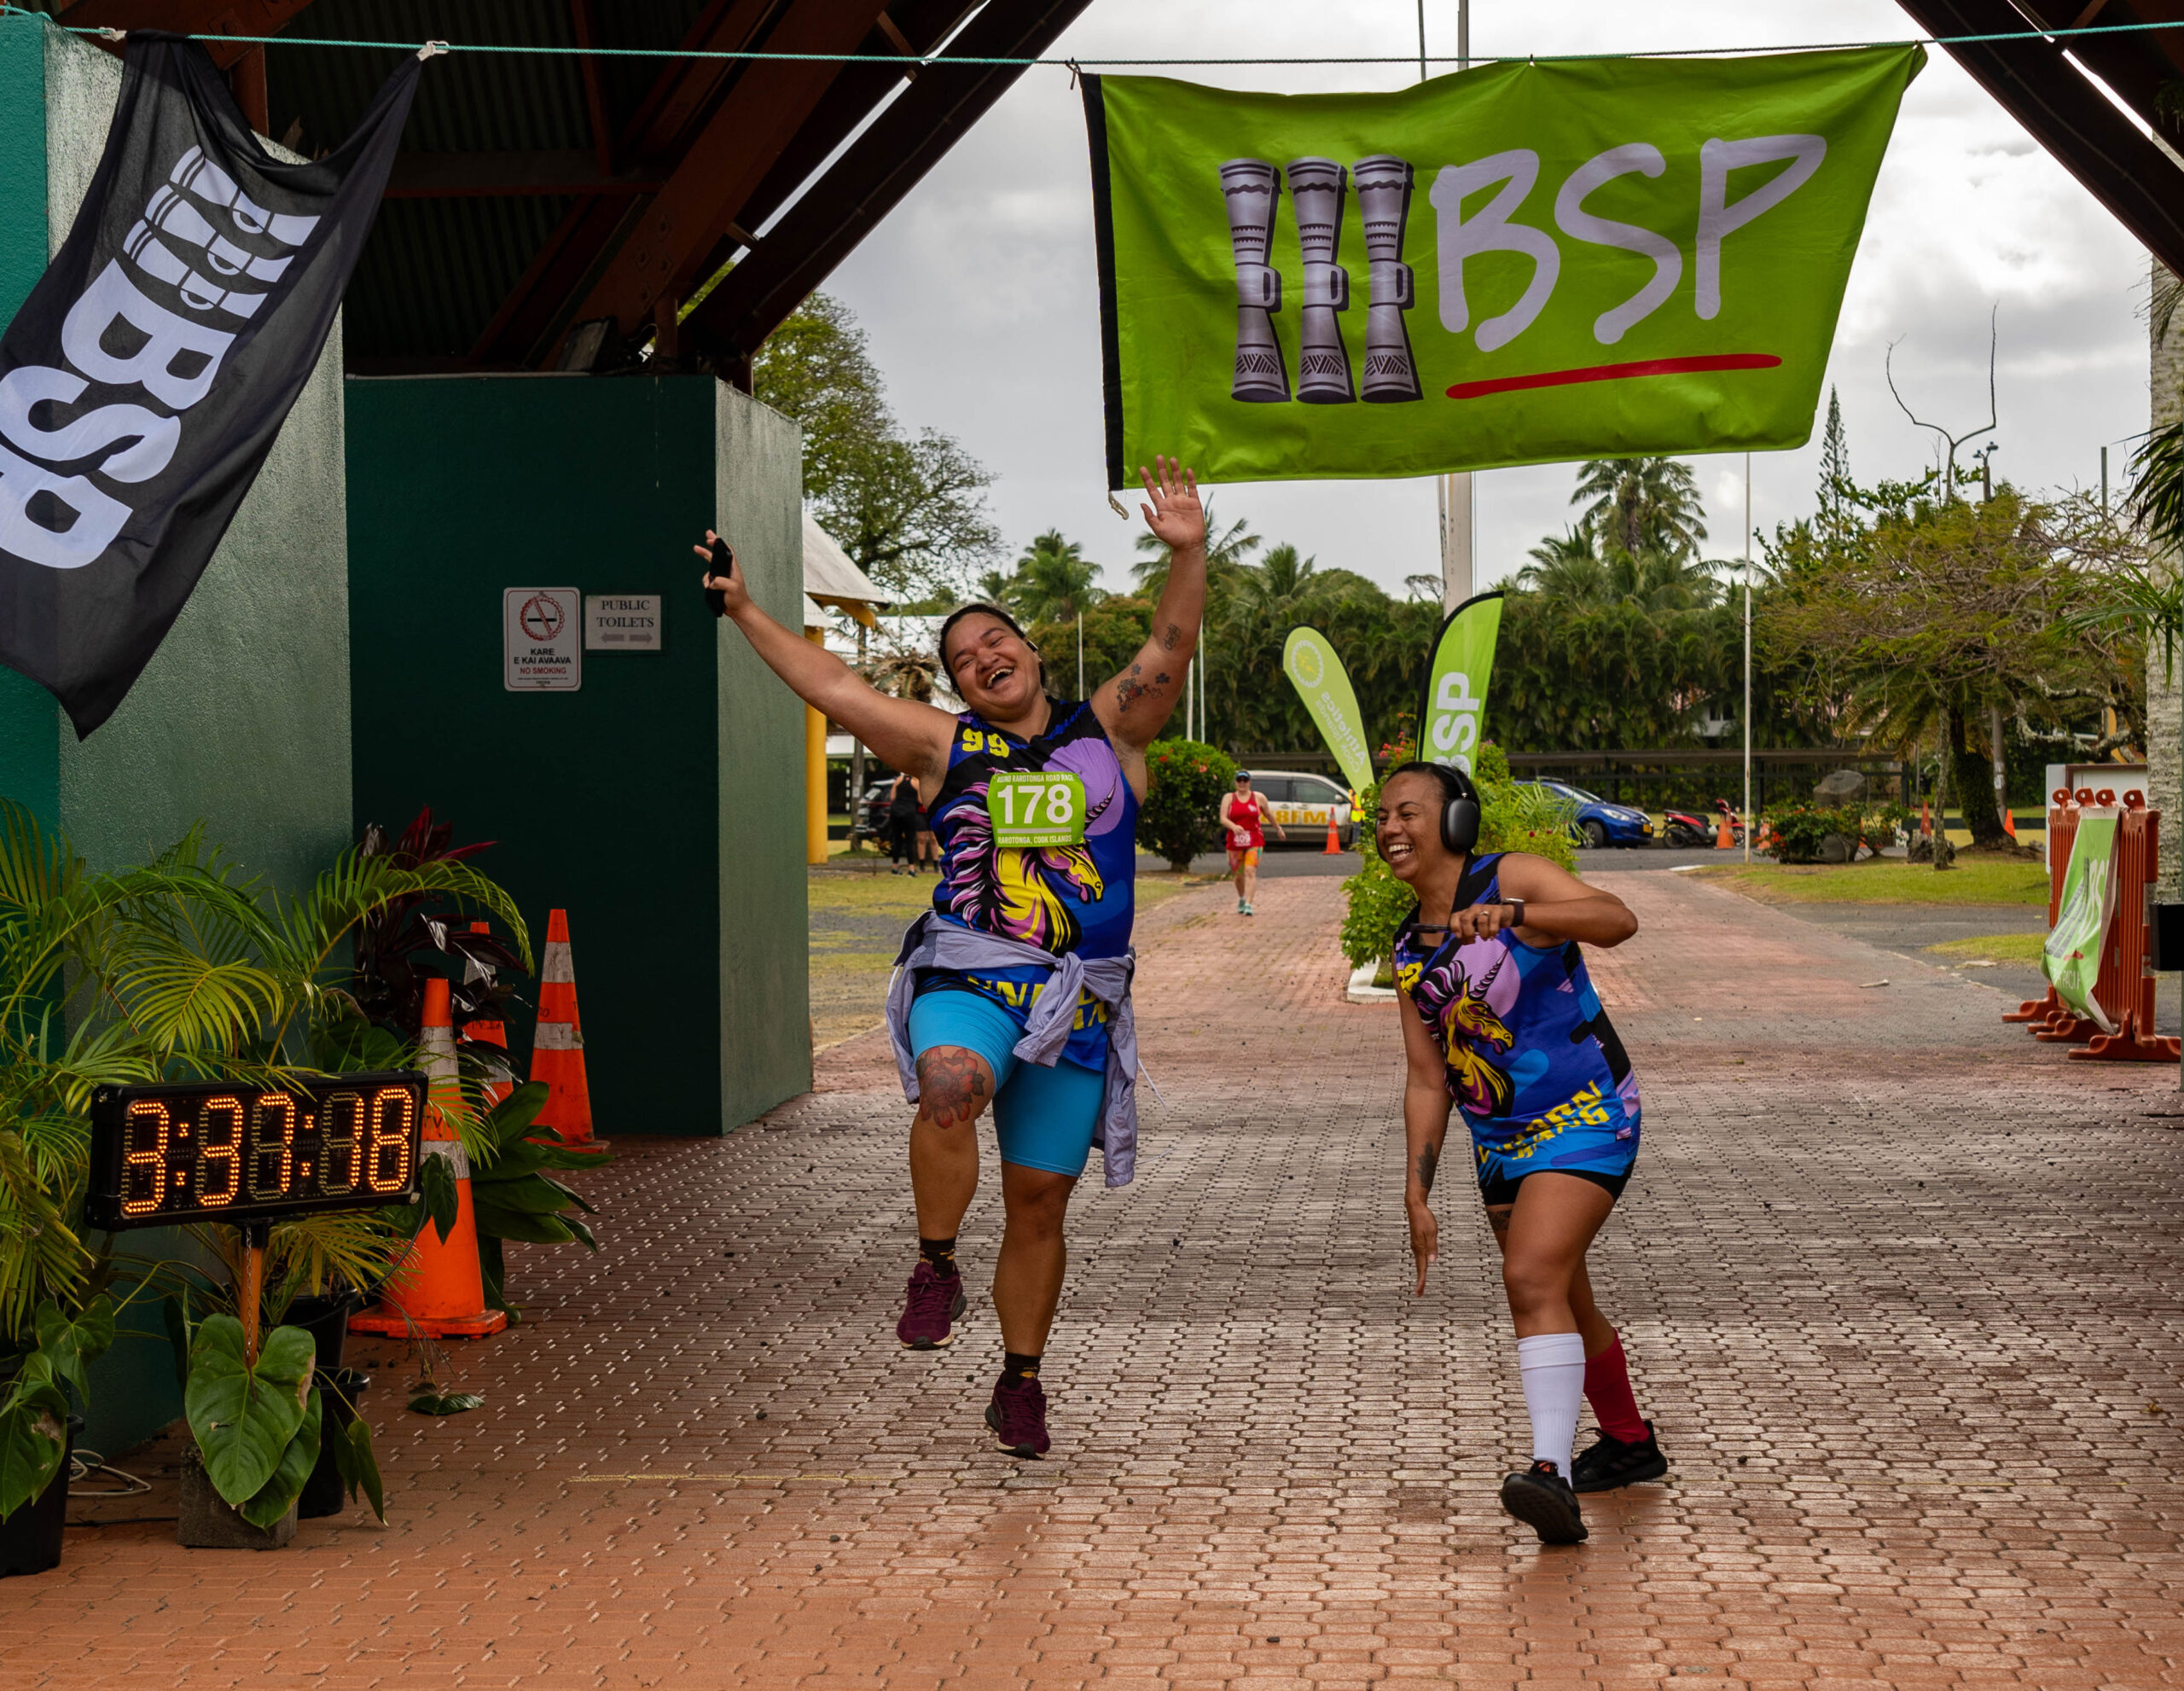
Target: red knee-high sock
[{"x": 1608, "y": 1389}]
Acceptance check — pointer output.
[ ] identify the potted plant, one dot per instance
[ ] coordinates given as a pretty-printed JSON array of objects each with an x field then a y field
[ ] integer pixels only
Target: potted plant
[{"x": 180, "y": 969}]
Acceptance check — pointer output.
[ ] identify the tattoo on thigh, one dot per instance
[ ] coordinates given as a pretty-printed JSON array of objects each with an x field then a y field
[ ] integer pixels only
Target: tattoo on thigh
[
  {"x": 1429, "y": 1160},
  {"x": 951, "y": 1085},
  {"x": 1497, "y": 1217}
]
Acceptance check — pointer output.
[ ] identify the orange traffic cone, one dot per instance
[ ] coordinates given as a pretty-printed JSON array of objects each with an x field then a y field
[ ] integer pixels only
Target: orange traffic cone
[
  {"x": 1724, "y": 837},
  {"x": 2009, "y": 822},
  {"x": 490, "y": 1033},
  {"x": 1334, "y": 839},
  {"x": 557, "y": 1052},
  {"x": 438, "y": 1289}
]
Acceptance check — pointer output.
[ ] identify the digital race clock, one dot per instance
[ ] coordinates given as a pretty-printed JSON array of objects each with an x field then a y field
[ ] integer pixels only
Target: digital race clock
[{"x": 206, "y": 1151}]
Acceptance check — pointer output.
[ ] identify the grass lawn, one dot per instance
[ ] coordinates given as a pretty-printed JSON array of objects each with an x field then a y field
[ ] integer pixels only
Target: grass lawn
[
  {"x": 1974, "y": 881},
  {"x": 1992, "y": 948},
  {"x": 856, "y": 926}
]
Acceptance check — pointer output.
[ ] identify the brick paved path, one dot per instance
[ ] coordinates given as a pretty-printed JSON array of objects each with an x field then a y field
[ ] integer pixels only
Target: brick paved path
[{"x": 1901, "y": 1289}]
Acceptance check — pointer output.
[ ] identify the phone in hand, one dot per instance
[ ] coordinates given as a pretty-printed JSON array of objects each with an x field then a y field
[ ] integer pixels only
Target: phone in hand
[{"x": 722, "y": 565}]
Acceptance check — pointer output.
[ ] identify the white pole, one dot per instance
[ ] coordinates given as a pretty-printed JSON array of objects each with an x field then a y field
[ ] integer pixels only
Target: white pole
[
  {"x": 1459, "y": 521},
  {"x": 1750, "y": 821}
]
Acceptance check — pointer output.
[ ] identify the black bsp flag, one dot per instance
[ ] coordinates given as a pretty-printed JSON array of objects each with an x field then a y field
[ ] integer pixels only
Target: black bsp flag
[{"x": 143, "y": 382}]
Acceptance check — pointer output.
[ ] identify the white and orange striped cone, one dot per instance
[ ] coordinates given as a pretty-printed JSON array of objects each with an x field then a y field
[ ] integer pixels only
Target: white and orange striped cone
[
  {"x": 557, "y": 1052},
  {"x": 438, "y": 1289},
  {"x": 490, "y": 1033}
]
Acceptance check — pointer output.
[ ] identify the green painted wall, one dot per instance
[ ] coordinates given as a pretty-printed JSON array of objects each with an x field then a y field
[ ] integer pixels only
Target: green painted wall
[
  {"x": 630, "y": 802},
  {"x": 765, "y": 952},
  {"x": 242, "y": 720},
  {"x": 30, "y": 746}
]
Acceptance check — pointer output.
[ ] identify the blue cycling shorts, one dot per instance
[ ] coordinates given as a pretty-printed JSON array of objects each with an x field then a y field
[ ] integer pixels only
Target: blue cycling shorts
[{"x": 1044, "y": 1117}]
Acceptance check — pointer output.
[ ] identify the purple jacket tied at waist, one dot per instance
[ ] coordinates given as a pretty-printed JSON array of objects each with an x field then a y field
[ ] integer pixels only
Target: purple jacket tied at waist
[{"x": 933, "y": 944}]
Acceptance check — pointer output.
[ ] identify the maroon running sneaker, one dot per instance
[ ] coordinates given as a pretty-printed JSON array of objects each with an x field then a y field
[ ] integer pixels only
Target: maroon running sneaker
[
  {"x": 933, "y": 1304},
  {"x": 1018, "y": 1416}
]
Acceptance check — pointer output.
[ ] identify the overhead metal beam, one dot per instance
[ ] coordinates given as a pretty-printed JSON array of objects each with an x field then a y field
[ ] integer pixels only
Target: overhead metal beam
[
  {"x": 2126, "y": 171},
  {"x": 2132, "y": 66},
  {"x": 747, "y": 131},
  {"x": 677, "y": 103},
  {"x": 446, "y": 175},
  {"x": 874, "y": 174}
]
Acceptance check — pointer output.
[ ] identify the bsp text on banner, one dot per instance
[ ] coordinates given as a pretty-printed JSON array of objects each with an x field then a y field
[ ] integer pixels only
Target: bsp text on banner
[
  {"x": 143, "y": 382},
  {"x": 1521, "y": 263}
]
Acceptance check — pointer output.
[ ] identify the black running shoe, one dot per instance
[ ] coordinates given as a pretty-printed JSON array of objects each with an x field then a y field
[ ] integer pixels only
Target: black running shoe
[
  {"x": 1611, "y": 1462},
  {"x": 1542, "y": 1498}
]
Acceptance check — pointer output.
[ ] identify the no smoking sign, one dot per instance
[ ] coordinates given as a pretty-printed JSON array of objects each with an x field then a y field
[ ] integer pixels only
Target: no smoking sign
[{"x": 542, "y": 639}]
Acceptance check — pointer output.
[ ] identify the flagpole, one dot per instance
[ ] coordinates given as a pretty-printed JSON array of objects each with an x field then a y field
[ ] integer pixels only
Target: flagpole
[
  {"x": 1455, "y": 491},
  {"x": 1750, "y": 822}
]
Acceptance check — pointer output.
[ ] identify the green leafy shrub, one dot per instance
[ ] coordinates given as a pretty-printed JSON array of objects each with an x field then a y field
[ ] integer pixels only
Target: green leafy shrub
[
  {"x": 1181, "y": 816},
  {"x": 1797, "y": 831}
]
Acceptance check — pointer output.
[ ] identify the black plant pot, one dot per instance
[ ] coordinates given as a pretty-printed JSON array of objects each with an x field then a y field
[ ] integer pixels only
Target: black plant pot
[
  {"x": 326, "y": 1320},
  {"x": 324, "y": 1494},
  {"x": 30, "y": 1538}
]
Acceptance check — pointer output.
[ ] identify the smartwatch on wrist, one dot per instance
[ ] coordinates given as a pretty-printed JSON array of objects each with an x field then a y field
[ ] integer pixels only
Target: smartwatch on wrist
[{"x": 1518, "y": 905}]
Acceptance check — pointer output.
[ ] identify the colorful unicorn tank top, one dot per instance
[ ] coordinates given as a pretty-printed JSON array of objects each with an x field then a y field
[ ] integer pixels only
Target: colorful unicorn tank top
[
  {"x": 1528, "y": 1049},
  {"x": 1077, "y": 897}
]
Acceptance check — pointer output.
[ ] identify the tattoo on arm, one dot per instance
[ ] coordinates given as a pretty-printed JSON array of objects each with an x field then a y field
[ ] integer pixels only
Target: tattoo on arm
[
  {"x": 1170, "y": 638},
  {"x": 1429, "y": 1160}
]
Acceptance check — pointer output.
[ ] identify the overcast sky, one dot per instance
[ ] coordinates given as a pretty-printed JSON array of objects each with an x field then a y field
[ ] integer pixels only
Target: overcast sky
[{"x": 981, "y": 299}]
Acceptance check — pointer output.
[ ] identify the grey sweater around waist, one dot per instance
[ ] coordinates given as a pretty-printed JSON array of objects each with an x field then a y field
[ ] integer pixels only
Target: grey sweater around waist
[{"x": 933, "y": 944}]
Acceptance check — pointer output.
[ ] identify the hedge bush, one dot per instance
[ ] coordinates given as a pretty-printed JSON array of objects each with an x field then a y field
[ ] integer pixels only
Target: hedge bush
[{"x": 1181, "y": 816}]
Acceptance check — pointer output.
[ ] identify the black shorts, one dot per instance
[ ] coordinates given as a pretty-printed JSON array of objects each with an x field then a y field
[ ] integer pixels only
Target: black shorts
[{"x": 1502, "y": 1190}]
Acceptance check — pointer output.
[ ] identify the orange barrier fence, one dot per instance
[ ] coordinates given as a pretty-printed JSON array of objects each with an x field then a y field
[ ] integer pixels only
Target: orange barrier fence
[{"x": 2124, "y": 989}]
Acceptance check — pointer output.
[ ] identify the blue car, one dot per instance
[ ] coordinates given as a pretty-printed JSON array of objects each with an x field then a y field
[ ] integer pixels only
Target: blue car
[{"x": 1595, "y": 823}]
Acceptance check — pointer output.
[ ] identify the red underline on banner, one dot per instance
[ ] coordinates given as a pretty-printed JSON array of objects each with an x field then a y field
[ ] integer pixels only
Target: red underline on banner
[{"x": 1712, "y": 361}]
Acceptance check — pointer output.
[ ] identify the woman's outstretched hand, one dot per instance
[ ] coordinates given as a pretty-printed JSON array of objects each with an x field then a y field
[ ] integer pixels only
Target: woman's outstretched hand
[
  {"x": 1174, "y": 516},
  {"x": 734, "y": 595},
  {"x": 1425, "y": 1239}
]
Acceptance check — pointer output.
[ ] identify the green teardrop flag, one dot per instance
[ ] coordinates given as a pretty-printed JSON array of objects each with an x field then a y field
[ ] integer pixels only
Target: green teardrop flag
[
  {"x": 1452, "y": 707},
  {"x": 1320, "y": 679}
]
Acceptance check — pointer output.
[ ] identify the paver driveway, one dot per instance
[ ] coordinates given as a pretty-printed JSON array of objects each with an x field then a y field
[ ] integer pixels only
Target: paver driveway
[{"x": 1901, "y": 1288}]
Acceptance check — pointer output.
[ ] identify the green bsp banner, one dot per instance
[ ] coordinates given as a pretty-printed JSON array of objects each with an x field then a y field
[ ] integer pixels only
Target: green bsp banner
[
  {"x": 2070, "y": 959},
  {"x": 1318, "y": 674},
  {"x": 1520, "y": 264},
  {"x": 1453, "y": 704}
]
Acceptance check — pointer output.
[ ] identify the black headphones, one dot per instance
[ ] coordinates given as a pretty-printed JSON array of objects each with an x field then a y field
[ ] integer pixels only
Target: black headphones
[{"x": 1460, "y": 815}]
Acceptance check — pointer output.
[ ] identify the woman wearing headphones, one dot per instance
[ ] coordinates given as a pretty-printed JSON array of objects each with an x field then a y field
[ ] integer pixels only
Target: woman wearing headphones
[{"x": 1500, "y": 1016}]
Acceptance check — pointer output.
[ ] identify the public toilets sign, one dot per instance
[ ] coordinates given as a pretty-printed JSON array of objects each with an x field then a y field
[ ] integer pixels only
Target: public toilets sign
[
  {"x": 143, "y": 382},
  {"x": 1522, "y": 264}
]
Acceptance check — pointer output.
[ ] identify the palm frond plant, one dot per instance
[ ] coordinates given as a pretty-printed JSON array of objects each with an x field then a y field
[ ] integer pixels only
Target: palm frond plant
[{"x": 180, "y": 969}]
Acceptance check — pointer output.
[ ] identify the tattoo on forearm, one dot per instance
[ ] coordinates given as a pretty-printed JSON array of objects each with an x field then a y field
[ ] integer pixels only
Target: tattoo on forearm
[
  {"x": 1429, "y": 1159},
  {"x": 1170, "y": 638},
  {"x": 951, "y": 1085}
]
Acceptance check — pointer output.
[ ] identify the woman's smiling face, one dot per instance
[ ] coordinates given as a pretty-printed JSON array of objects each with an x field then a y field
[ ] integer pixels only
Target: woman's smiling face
[
  {"x": 994, "y": 669},
  {"x": 1408, "y": 828}
]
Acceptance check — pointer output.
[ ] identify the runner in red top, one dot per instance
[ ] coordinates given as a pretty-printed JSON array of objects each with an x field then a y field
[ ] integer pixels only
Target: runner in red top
[{"x": 1244, "y": 813}]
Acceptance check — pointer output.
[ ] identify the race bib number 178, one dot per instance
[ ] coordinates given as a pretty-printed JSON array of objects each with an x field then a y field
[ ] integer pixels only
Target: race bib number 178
[{"x": 1032, "y": 808}]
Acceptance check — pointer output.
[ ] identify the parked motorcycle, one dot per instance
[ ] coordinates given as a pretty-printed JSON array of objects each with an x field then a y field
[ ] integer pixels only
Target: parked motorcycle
[
  {"x": 1686, "y": 830},
  {"x": 1682, "y": 830}
]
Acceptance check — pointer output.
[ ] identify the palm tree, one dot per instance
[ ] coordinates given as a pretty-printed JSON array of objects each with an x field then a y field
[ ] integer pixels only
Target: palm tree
[
  {"x": 1054, "y": 580},
  {"x": 1566, "y": 566},
  {"x": 1224, "y": 556},
  {"x": 1642, "y": 504}
]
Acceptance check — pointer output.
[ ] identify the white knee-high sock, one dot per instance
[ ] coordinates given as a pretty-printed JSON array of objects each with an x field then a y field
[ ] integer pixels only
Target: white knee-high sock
[{"x": 1554, "y": 1368}]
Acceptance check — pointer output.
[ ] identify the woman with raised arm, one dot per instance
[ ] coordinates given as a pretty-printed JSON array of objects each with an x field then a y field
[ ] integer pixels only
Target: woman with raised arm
[
  {"x": 1500, "y": 1016},
  {"x": 1014, "y": 989}
]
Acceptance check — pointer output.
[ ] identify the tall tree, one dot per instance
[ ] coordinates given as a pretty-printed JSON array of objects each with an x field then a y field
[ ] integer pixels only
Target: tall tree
[
  {"x": 1835, "y": 484},
  {"x": 909, "y": 510},
  {"x": 1643, "y": 505},
  {"x": 1054, "y": 580}
]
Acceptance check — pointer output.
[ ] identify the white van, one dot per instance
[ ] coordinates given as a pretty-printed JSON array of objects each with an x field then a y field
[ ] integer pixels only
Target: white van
[{"x": 1301, "y": 803}]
